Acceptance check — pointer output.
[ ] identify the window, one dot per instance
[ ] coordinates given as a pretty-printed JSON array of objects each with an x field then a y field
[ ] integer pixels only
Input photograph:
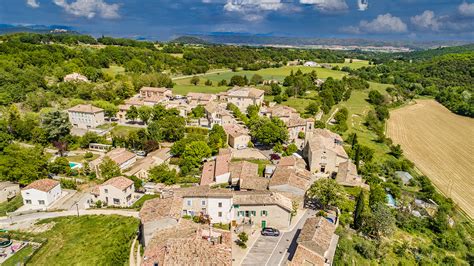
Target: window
[
  {"x": 264, "y": 213},
  {"x": 240, "y": 214},
  {"x": 203, "y": 202},
  {"x": 28, "y": 201},
  {"x": 190, "y": 202},
  {"x": 106, "y": 191},
  {"x": 254, "y": 213},
  {"x": 41, "y": 202},
  {"x": 219, "y": 214},
  {"x": 116, "y": 201},
  {"x": 219, "y": 204}
]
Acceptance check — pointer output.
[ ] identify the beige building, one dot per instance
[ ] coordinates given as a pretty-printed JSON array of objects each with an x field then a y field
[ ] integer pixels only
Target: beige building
[
  {"x": 8, "y": 191},
  {"x": 121, "y": 156},
  {"x": 347, "y": 175},
  {"x": 86, "y": 116},
  {"x": 216, "y": 171},
  {"x": 317, "y": 243},
  {"x": 196, "y": 98},
  {"x": 237, "y": 136},
  {"x": 243, "y": 97},
  {"x": 291, "y": 176},
  {"x": 217, "y": 114},
  {"x": 155, "y": 93},
  {"x": 324, "y": 151},
  {"x": 293, "y": 121},
  {"x": 75, "y": 77},
  {"x": 141, "y": 167},
  {"x": 116, "y": 191}
]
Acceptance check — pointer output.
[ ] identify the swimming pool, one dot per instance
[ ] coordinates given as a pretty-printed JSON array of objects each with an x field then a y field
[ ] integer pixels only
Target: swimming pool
[
  {"x": 74, "y": 165},
  {"x": 391, "y": 200}
]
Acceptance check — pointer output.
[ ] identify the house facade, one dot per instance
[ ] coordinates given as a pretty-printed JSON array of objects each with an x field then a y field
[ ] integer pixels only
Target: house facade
[
  {"x": 218, "y": 206},
  {"x": 155, "y": 93},
  {"x": 41, "y": 193},
  {"x": 121, "y": 156},
  {"x": 217, "y": 114},
  {"x": 117, "y": 191},
  {"x": 86, "y": 116},
  {"x": 237, "y": 136},
  {"x": 197, "y": 98},
  {"x": 243, "y": 97},
  {"x": 324, "y": 152}
]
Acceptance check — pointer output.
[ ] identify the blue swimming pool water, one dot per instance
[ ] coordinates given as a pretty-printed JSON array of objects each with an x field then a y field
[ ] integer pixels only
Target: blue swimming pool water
[
  {"x": 71, "y": 164},
  {"x": 391, "y": 201}
]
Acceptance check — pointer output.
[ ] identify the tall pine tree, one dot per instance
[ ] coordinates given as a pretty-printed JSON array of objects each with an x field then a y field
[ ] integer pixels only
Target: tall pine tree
[{"x": 359, "y": 210}]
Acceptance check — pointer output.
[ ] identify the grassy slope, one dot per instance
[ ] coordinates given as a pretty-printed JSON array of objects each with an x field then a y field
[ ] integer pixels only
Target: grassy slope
[
  {"x": 11, "y": 205},
  {"x": 19, "y": 257},
  {"x": 87, "y": 240}
]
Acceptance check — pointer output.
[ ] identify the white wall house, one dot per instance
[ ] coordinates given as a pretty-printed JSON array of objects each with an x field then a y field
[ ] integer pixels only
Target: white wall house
[
  {"x": 116, "y": 191},
  {"x": 41, "y": 193},
  {"x": 86, "y": 116},
  {"x": 218, "y": 207}
]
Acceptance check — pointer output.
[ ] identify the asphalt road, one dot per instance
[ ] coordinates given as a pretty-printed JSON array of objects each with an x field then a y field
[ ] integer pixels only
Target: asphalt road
[{"x": 270, "y": 250}]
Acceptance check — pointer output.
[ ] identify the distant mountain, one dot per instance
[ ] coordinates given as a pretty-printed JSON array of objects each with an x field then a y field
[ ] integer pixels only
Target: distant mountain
[
  {"x": 189, "y": 40},
  {"x": 271, "y": 40},
  {"x": 12, "y": 28}
]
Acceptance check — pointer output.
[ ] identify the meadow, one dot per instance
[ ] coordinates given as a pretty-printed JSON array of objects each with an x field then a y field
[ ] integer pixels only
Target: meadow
[{"x": 441, "y": 144}]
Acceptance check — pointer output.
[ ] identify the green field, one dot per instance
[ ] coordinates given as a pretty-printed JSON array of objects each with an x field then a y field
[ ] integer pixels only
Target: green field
[
  {"x": 183, "y": 89},
  {"x": 87, "y": 240},
  {"x": 19, "y": 257},
  {"x": 113, "y": 70},
  {"x": 354, "y": 65},
  {"x": 10, "y": 206},
  {"x": 123, "y": 131}
]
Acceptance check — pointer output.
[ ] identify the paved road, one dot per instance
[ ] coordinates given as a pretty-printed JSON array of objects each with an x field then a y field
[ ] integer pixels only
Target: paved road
[
  {"x": 26, "y": 220},
  {"x": 272, "y": 251}
]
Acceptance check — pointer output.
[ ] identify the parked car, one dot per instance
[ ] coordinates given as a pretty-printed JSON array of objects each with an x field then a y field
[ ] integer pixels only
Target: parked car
[
  {"x": 268, "y": 231},
  {"x": 141, "y": 153}
]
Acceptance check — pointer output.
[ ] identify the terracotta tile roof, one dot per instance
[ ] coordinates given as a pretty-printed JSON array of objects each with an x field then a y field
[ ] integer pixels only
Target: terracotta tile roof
[
  {"x": 327, "y": 140},
  {"x": 134, "y": 101},
  {"x": 262, "y": 198},
  {"x": 299, "y": 178},
  {"x": 254, "y": 183},
  {"x": 85, "y": 108},
  {"x": 248, "y": 92},
  {"x": 184, "y": 245},
  {"x": 119, "y": 182},
  {"x": 120, "y": 155},
  {"x": 207, "y": 175},
  {"x": 235, "y": 130},
  {"x": 42, "y": 185},
  {"x": 200, "y": 96},
  {"x": 347, "y": 175},
  {"x": 156, "y": 209},
  {"x": 317, "y": 235},
  {"x": 243, "y": 169},
  {"x": 154, "y": 89},
  {"x": 222, "y": 164}
]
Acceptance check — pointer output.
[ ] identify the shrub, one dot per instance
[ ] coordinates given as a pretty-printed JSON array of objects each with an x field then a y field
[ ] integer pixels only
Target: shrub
[
  {"x": 88, "y": 155},
  {"x": 301, "y": 135},
  {"x": 98, "y": 204},
  {"x": 366, "y": 249},
  {"x": 243, "y": 237}
]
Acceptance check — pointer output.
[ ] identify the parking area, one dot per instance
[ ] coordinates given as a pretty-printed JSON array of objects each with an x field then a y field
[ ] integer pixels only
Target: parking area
[{"x": 261, "y": 250}]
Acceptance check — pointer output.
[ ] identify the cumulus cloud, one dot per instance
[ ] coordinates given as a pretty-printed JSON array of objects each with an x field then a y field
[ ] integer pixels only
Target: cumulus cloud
[
  {"x": 426, "y": 21},
  {"x": 383, "y": 24},
  {"x": 32, "y": 3},
  {"x": 90, "y": 8},
  {"x": 327, "y": 5},
  {"x": 466, "y": 9},
  {"x": 363, "y": 5},
  {"x": 252, "y": 10}
]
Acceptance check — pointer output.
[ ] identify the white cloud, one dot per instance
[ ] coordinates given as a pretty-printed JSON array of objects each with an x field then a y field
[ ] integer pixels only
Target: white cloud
[
  {"x": 252, "y": 10},
  {"x": 90, "y": 8},
  {"x": 466, "y": 9},
  {"x": 32, "y": 3},
  {"x": 363, "y": 4},
  {"x": 427, "y": 21},
  {"x": 327, "y": 5},
  {"x": 382, "y": 24}
]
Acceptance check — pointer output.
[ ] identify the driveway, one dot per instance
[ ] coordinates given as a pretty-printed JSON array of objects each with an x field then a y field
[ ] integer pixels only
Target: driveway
[{"x": 258, "y": 254}]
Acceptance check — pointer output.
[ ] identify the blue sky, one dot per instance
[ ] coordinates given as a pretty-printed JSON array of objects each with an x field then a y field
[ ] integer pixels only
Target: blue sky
[{"x": 165, "y": 19}]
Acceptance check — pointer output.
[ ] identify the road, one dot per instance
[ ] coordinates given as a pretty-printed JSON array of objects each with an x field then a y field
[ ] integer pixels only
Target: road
[
  {"x": 271, "y": 251},
  {"x": 26, "y": 220}
]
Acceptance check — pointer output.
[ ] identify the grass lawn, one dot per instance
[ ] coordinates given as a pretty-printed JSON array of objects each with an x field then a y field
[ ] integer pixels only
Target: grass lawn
[
  {"x": 80, "y": 158},
  {"x": 113, "y": 70},
  {"x": 123, "y": 131},
  {"x": 10, "y": 206},
  {"x": 87, "y": 240},
  {"x": 139, "y": 203},
  {"x": 185, "y": 88},
  {"x": 354, "y": 65},
  {"x": 19, "y": 257}
]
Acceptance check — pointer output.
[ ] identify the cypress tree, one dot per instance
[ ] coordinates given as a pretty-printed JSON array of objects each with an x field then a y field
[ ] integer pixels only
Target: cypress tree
[
  {"x": 357, "y": 156},
  {"x": 359, "y": 210}
]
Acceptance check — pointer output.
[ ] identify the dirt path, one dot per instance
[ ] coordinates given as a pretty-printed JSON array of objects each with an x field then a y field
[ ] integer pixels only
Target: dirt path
[{"x": 441, "y": 144}]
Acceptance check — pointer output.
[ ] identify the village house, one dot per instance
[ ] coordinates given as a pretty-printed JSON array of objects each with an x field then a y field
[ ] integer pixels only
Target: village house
[
  {"x": 324, "y": 152},
  {"x": 196, "y": 98},
  {"x": 41, "y": 193},
  {"x": 155, "y": 94},
  {"x": 347, "y": 175},
  {"x": 311, "y": 64},
  {"x": 292, "y": 119},
  {"x": 244, "y": 175},
  {"x": 121, "y": 156},
  {"x": 86, "y": 116},
  {"x": 216, "y": 171},
  {"x": 216, "y": 204},
  {"x": 217, "y": 114},
  {"x": 158, "y": 214},
  {"x": 75, "y": 77},
  {"x": 291, "y": 176},
  {"x": 237, "y": 136},
  {"x": 317, "y": 243},
  {"x": 141, "y": 167},
  {"x": 123, "y": 108},
  {"x": 183, "y": 107},
  {"x": 8, "y": 191},
  {"x": 189, "y": 243},
  {"x": 116, "y": 191},
  {"x": 243, "y": 97}
]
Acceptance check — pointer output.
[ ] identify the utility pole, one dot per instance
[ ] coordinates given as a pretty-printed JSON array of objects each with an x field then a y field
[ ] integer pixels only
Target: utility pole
[{"x": 77, "y": 208}]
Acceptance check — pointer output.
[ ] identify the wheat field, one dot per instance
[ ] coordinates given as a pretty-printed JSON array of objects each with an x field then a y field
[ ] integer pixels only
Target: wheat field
[{"x": 441, "y": 144}]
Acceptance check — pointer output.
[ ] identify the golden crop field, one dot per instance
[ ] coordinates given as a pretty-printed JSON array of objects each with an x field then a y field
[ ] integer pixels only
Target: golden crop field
[{"x": 441, "y": 144}]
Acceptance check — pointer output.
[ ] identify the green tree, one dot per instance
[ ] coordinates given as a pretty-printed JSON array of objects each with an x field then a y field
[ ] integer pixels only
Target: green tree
[
  {"x": 359, "y": 211},
  {"x": 23, "y": 165},
  {"x": 269, "y": 131},
  {"x": 198, "y": 111},
  {"x": 90, "y": 137},
  {"x": 252, "y": 111},
  {"x": 256, "y": 79},
  {"x": 208, "y": 82},
  {"x": 193, "y": 155},
  {"x": 5, "y": 140},
  {"x": 327, "y": 191},
  {"x": 217, "y": 138},
  {"x": 109, "y": 169},
  {"x": 144, "y": 113},
  {"x": 110, "y": 109},
  {"x": 292, "y": 148},
  {"x": 312, "y": 108},
  {"x": 381, "y": 222},
  {"x": 56, "y": 125},
  {"x": 276, "y": 89},
  {"x": 194, "y": 80},
  {"x": 237, "y": 80},
  {"x": 59, "y": 166},
  {"x": 163, "y": 174},
  {"x": 170, "y": 128},
  {"x": 179, "y": 146},
  {"x": 376, "y": 98},
  {"x": 376, "y": 196},
  {"x": 357, "y": 156},
  {"x": 278, "y": 99},
  {"x": 396, "y": 150},
  {"x": 132, "y": 113}
]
